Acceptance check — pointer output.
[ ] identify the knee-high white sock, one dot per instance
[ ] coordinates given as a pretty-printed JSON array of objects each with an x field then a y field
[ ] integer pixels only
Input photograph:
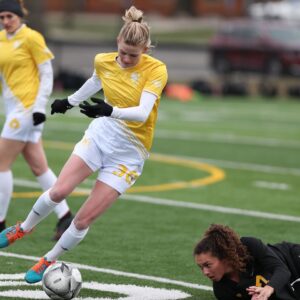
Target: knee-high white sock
[
  {"x": 46, "y": 181},
  {"x": 70, "y": 238},
  {"x": 40, "y": 210},
  {"x": 6, "y": 189}
]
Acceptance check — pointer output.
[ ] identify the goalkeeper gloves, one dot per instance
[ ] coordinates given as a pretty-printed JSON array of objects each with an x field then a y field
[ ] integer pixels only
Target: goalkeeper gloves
[
  {"x": 38, "y": 118},
  {"x": 100, "y": 109},
  {"x": 60, "y": 106}
]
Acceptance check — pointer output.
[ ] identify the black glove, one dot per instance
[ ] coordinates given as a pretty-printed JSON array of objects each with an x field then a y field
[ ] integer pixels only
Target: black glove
[
  {"x": 100, "y": 109},
  {"x": 38, "y": 118},
  {"x": 60, "y": 106}
]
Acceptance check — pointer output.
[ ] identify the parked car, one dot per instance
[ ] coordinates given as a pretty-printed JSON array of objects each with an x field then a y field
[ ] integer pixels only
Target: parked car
[
  {"x": 269, "y": 47},
  {"x": 284, "y": 10}
]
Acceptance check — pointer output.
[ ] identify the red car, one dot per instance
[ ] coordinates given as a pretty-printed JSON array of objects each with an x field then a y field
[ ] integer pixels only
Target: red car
[{"x": 269, "y": 47}]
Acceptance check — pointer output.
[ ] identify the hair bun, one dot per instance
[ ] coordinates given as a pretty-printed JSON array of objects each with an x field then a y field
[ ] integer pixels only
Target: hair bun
[{"x": 139, "y": 20}]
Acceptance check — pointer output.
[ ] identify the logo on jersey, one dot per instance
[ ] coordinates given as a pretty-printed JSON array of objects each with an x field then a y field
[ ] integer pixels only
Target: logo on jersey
[
  {"x": 14, "y": 123},
  {"x": 107, "y": 74},
  {"x": 85, "y": 141},
  {"x": 17, "y": 44},
  {"x": 135, "y": 77},
  {"x": 47, "y": 50},
  {"x": 157, "y": 83}
]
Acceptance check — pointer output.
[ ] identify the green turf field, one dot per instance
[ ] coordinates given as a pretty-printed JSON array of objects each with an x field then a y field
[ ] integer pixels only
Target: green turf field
[{"x": 231, "y": 161}]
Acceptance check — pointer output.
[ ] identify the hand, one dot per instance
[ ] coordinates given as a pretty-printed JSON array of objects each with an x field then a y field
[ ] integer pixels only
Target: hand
[
  {"x": 100, "y": 109},
  {"x": 38, "y": 118},
  {"x": 60, "y": 106},
  {"x": 260, "y": 293}
]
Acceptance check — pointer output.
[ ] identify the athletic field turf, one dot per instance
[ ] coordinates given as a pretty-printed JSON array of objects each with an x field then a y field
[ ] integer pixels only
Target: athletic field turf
[{"x": 230, "y": 161}]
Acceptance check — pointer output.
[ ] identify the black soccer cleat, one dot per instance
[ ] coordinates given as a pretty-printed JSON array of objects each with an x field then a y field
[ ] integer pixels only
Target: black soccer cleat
[
  {"x": 2, "y": 226},
  {"x": 62, "y": 225}
]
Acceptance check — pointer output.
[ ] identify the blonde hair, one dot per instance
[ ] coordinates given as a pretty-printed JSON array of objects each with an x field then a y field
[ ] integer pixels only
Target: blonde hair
[
  {"x": 135, "y": 30},
  {"x": 23, "y": 8}
]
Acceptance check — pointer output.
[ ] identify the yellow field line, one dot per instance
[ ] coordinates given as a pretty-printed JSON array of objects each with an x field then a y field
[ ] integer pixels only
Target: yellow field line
[{"x": 215, "y": 174}]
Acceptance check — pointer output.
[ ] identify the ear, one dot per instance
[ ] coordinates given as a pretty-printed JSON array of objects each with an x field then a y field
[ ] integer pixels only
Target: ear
[{"x": 145, "y": 50}]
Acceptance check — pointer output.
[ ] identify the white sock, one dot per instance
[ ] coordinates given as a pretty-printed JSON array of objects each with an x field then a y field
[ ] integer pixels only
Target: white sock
[
  {"x": 46, "y": 181},
  {"x": 6, "y": 189},
  {"x": 70, "y": 238},
  {"x": 40, "y": 210}
]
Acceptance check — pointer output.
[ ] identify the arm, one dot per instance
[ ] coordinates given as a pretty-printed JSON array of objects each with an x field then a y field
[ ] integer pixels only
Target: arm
[
  {"x": 260, "y": 293},
  {"x": 45, "y": 89},
  {"x": 89, "y": 88},
  {"x": 270, "y": 263},
  {"x": 138, "y": 113},
  {"x": 46, "y": 85}
]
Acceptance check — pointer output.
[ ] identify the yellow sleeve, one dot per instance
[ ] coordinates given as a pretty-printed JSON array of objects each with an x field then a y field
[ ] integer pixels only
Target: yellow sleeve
[
  {"x": 157, "y": 80},
  {"x": 97, "y": 64},
  {"x": 38, "y": 48}
]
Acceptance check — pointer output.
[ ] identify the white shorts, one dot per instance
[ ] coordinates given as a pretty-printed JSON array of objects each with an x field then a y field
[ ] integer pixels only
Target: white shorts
[
  {"x": 115, "y": 169},
  {"x": 20, "y": 127}
]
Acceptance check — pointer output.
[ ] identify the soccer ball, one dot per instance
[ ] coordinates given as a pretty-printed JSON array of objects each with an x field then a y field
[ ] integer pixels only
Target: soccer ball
[{"x": 62, "y": 281}]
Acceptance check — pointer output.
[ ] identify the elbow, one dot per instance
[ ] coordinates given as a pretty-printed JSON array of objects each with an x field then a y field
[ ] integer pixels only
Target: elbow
[{"x": 142, "y": 118}]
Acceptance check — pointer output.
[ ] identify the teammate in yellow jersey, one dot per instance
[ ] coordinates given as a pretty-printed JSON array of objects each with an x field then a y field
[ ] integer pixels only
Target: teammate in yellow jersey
[
  {"x": 26, "y": 78},
  {"x": 115, "y": 144}
]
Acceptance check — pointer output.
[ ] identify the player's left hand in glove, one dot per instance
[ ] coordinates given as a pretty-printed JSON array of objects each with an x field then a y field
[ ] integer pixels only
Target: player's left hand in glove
[
  {"x": 100, "y": 109},
  {"x": 38, "y": 118}
]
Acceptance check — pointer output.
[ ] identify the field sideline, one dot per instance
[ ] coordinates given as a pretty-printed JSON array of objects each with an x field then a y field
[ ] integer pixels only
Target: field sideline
[{"x": 231, "y": 161}]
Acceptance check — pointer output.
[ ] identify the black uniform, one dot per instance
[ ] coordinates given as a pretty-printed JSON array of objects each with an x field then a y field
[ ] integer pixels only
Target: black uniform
[{"x": 276, "y": 265}]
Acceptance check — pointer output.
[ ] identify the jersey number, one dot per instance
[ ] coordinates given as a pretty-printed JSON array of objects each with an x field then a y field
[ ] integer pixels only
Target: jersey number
[
  {"x": 130, "y": 176},
  {"x": 260, "y": 281}
]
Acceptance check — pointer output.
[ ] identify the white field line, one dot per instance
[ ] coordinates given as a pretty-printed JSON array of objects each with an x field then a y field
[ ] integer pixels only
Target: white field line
[
  {"x": 243, "y": 166},
  {"x": 213, "y": 208},
  {"x": 194, "y": 136},
  {"x": 192, "y": 205},
  {"x": 117, "y": 273},
  {"x": 227, "y": 138},
  {"x": 272, "y": 185},
  {"x": 222, "y": 163}
]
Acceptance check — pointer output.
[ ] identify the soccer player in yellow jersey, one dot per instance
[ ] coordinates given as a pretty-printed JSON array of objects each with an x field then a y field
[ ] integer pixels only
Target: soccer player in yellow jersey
[
  {"x": 26, "y": 78},
  {"x": 116, "y": 143}
]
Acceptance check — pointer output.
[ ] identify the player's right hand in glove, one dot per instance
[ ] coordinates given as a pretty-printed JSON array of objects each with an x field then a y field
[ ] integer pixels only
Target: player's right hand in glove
[
  {"x": 60, "y": 106},
  {"x": 99, "y": 109}
]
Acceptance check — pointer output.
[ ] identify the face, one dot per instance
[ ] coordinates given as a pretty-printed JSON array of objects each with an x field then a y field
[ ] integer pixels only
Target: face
[
  {"x": 211, "y": 266},
  {"x": 10, "y": 21},
  {"x": 128, "y": 55}
]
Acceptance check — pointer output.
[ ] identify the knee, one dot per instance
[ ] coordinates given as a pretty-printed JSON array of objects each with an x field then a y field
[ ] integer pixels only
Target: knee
[
  {"x": 5, "y": 165},
  {"x": 38, "y": 170},
  {"x": 81, "y": 224},
  {"x": 58, "y": 193}
]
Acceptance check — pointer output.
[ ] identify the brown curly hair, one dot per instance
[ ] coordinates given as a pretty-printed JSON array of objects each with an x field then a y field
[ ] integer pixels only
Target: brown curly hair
[{"x": 224, "y": 243}]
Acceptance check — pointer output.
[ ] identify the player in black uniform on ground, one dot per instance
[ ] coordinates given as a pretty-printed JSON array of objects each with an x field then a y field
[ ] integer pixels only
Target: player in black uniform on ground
[{"x": 246, "y": 268}]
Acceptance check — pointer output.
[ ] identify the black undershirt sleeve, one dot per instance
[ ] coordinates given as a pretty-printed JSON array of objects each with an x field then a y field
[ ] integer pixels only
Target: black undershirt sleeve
[{"x": 268, "y": 260}]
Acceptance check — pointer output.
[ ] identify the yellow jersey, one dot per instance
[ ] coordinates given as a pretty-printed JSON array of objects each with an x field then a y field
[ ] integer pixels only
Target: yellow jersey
[
  {"x": 20, "y": 56},
  {"x": 123, "y": 87}
]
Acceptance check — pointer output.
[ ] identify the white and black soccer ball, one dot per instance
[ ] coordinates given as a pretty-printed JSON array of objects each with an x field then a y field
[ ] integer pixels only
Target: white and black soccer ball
[{"x": 62, "y": 281}]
